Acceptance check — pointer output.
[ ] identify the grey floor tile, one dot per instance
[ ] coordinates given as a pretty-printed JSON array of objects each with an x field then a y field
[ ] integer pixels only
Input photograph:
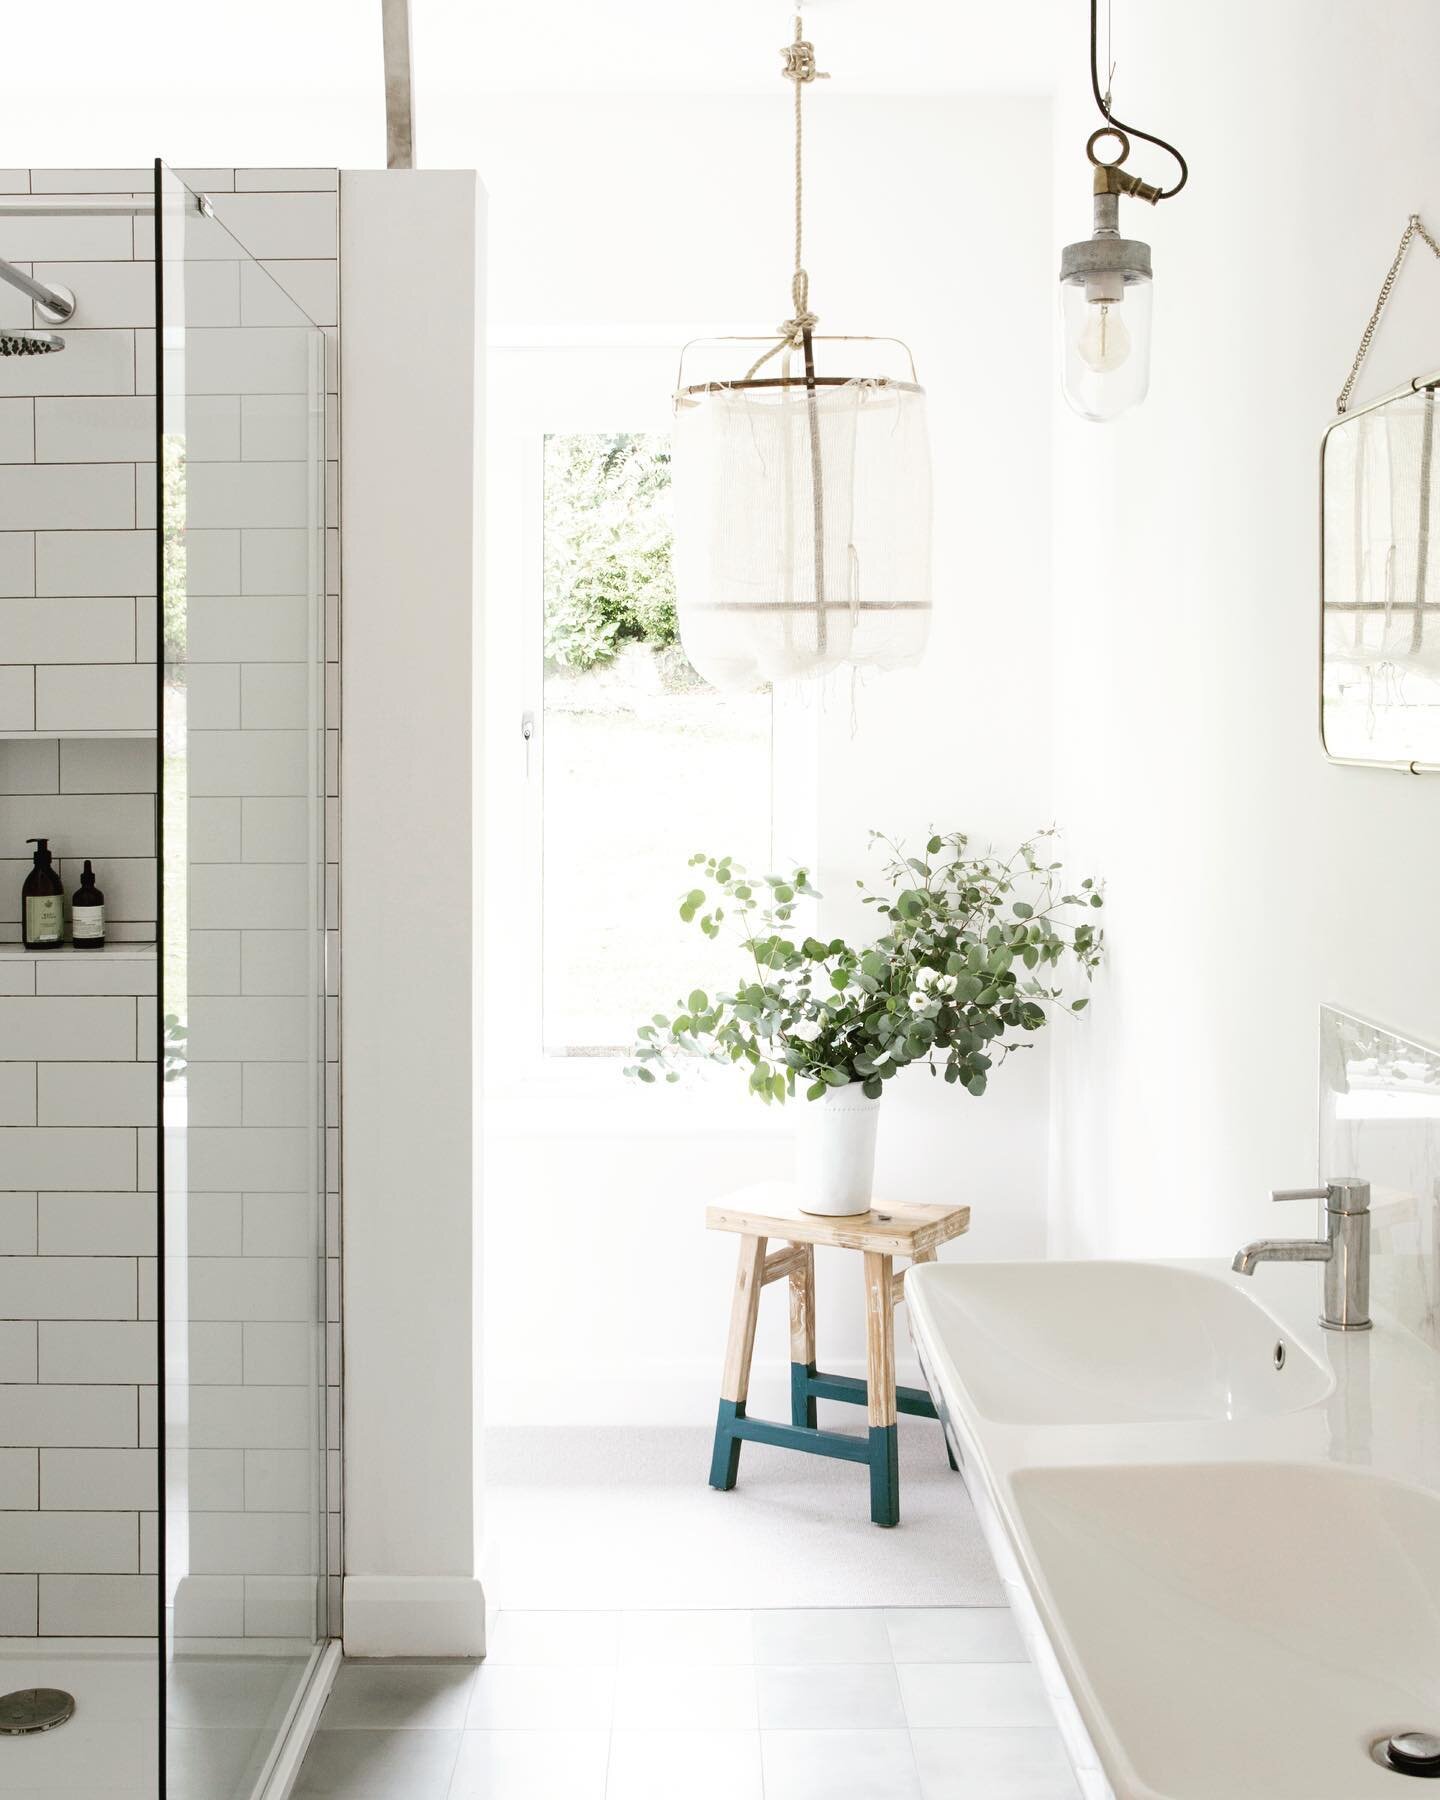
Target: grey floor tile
[
  {"x": 695, "y": 1765},
  {"x": 416, "y": 1695},
  {"x": 943, "y": 1695},
  {"x": 587, "y": 1638},
  {"x": 213, "y": 1762},
  {"x": 518, "y": 1697},
  {"x": 933, "y": 1634},
  {"x": 702, "y": 1639},
  {"x": 379, "y": 1765},
  {"x": 685, "y": 1698},
  {"x": 839, "y": 1765},
  {"x": 531, "y": 1765},
  {"x": 830, "y": 1697},
  {"x": 231, "y": 1691},
  {"x": 979, "y": 1764},
  {"x": 795, "y": 1635}
]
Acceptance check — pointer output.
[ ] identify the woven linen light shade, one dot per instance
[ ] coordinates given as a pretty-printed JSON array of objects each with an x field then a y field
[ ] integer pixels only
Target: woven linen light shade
[
  {"x": 802, "y": 527},
  {"x": 802, "y": 499}
]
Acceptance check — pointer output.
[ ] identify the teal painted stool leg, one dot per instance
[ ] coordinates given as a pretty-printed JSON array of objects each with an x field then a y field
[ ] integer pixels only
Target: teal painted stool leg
[
  {"x": 802, "y": 1339},
  {"x": 802, "y": 1401},
  {"x": 884, "y": 1475},
  {"x": 739, "y": 1349},
  {"x": 880, "y": 1396},
  {"x": 725, "y": 1459}
]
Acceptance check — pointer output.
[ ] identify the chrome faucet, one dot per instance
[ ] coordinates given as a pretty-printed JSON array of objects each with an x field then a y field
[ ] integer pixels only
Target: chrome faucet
[{"x": 1344, "y": 1250}]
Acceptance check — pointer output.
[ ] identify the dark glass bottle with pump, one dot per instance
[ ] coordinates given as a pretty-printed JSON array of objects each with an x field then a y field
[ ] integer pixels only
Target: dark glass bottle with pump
[
  {"x": 87, "y": 913},
  {"x": 42, "y": 902}
]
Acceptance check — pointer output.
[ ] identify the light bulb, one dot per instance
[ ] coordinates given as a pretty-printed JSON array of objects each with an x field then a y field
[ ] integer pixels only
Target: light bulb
[{"x": 1104, "y": 343}]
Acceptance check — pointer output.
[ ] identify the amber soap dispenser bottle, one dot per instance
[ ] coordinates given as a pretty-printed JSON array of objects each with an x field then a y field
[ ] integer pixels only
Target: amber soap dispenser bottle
[
  {"x": 42, "y": 902},
  {"x": 87, "y": 913}
]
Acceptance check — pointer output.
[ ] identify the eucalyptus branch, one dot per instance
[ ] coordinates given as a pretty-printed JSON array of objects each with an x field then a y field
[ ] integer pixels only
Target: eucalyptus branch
[{"x": 952, "y": 980}]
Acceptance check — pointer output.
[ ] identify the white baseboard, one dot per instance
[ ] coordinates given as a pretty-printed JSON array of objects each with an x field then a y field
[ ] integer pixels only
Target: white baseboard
[
  {"x": 301, "y": 1728},
  {"x": 414, "y": 1615}
]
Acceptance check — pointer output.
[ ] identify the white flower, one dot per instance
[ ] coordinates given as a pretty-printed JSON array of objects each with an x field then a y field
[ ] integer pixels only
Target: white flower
[
  {"x": 921, "y": 1002},
  {"x": 943, "y": 984},
  {"x": 927, "y": 978},
  {"x": 806, "y": 1030}
]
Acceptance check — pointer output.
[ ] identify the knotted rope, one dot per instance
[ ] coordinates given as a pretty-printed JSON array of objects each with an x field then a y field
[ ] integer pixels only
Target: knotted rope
[{"x": 800, "y": 68}]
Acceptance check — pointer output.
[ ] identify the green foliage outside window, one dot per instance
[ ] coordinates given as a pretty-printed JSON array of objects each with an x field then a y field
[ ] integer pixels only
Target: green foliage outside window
[
  {"x": 172, "y": 542},
  {"x": 608, "y": 578}
]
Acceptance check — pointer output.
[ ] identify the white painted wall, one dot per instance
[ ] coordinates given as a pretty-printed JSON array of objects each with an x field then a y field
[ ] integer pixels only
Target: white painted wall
[
  {"x": 411, "y": 300},
  {"x": 691, "y": 224},
  {"x": 1249, "y": 880}
]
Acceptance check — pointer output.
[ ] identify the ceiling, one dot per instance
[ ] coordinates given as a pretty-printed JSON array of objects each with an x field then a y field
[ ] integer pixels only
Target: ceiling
[
  {"x": 294, "y": 82},
  {"x": 727, "y": 46}
]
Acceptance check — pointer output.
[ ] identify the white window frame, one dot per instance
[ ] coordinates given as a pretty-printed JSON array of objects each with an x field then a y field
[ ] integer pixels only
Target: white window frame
[{"x": 546, "y": 388}]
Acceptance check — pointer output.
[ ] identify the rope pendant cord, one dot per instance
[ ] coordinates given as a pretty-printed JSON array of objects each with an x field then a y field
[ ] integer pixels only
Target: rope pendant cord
[
  {"x": 1415, "y": 227},
  {"x": 800, "y": 69}
]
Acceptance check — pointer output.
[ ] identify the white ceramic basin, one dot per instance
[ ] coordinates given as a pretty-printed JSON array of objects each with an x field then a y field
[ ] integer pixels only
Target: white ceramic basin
[
  {"x": 1101, "y": 1343},
  {"x": 1241, "y": 1631}
]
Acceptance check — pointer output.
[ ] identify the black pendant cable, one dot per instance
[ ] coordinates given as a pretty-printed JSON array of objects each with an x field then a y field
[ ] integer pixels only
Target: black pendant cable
[{"x": 1102, "y": 100}]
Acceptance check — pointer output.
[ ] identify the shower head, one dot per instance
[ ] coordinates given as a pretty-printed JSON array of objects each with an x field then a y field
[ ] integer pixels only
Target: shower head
[
  {"x": 54, "y": 305},
  {"x": 30, "y": 343}
]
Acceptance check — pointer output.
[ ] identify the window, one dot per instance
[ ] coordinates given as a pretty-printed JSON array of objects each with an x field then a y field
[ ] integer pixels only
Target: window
[{"x": 640, "y": 764}]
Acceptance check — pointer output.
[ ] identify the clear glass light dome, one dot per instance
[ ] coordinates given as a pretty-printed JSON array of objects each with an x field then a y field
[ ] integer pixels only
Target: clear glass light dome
[{"x": 1105, "y": 344}]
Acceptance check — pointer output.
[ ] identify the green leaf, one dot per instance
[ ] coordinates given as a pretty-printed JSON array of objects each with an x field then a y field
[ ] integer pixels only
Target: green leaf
[
  {"x": 646, "y": 1074},
  {"x": 834, "y": 1077},
  {"x": 699, "y": 1001},
  {"x": 934, "y": 847},
  {"x": 873, "y": 1088},
  {"x": 1022, "y": 909},
  {"x": 815, "y": 1091},
  {"x": 1079, "y": 1005}
]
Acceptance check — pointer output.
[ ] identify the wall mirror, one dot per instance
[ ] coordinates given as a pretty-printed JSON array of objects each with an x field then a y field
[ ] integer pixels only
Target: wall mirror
[{"x": 1380, "y": 582}]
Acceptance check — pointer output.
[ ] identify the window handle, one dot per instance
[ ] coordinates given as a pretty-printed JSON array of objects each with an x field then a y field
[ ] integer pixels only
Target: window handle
[{"x": 527, "y": 731}]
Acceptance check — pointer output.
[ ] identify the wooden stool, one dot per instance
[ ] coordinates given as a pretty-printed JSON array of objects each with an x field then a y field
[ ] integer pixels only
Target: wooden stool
[{"x": 771, "y": 1210}]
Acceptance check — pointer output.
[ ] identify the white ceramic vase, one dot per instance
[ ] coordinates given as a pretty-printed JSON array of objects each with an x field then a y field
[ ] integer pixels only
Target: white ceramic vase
[{"x": 835, "y": 1152}]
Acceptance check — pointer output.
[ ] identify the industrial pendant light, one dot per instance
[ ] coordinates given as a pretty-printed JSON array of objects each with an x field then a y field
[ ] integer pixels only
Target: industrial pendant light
[
  {"x": 802, "y": 499},
  {"x": 1105, "y": 280}
]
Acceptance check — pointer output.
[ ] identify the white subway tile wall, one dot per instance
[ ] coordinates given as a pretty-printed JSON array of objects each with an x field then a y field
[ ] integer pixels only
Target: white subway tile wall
[{"x": 78, "y": 1207}]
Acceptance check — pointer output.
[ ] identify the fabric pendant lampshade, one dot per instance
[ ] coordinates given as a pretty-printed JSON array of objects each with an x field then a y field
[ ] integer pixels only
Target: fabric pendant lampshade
[
  {"x": 802, "y": 499},
  {"x": 802, "y": 528}
]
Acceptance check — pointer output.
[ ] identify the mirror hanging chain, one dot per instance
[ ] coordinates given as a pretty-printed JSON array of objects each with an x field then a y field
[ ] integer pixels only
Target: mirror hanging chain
[{"x": 1415, "y": 227}]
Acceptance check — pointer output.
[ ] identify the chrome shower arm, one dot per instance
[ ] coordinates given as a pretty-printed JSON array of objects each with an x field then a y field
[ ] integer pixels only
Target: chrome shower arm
[{"x": 56, "y": 304}]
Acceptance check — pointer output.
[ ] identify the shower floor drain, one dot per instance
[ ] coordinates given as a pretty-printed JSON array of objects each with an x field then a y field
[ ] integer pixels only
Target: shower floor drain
[{"x": 34, "y": 1709}]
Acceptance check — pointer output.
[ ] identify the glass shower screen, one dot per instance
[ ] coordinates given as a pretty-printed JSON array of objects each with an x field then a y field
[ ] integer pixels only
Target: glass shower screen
[{"x": 241, "y": 377}]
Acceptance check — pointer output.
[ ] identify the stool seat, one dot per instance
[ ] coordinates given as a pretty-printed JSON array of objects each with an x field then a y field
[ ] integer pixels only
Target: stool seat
[
  {"x": 772, "y": 1209},
  {"x": 769, "y": 1210}
]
